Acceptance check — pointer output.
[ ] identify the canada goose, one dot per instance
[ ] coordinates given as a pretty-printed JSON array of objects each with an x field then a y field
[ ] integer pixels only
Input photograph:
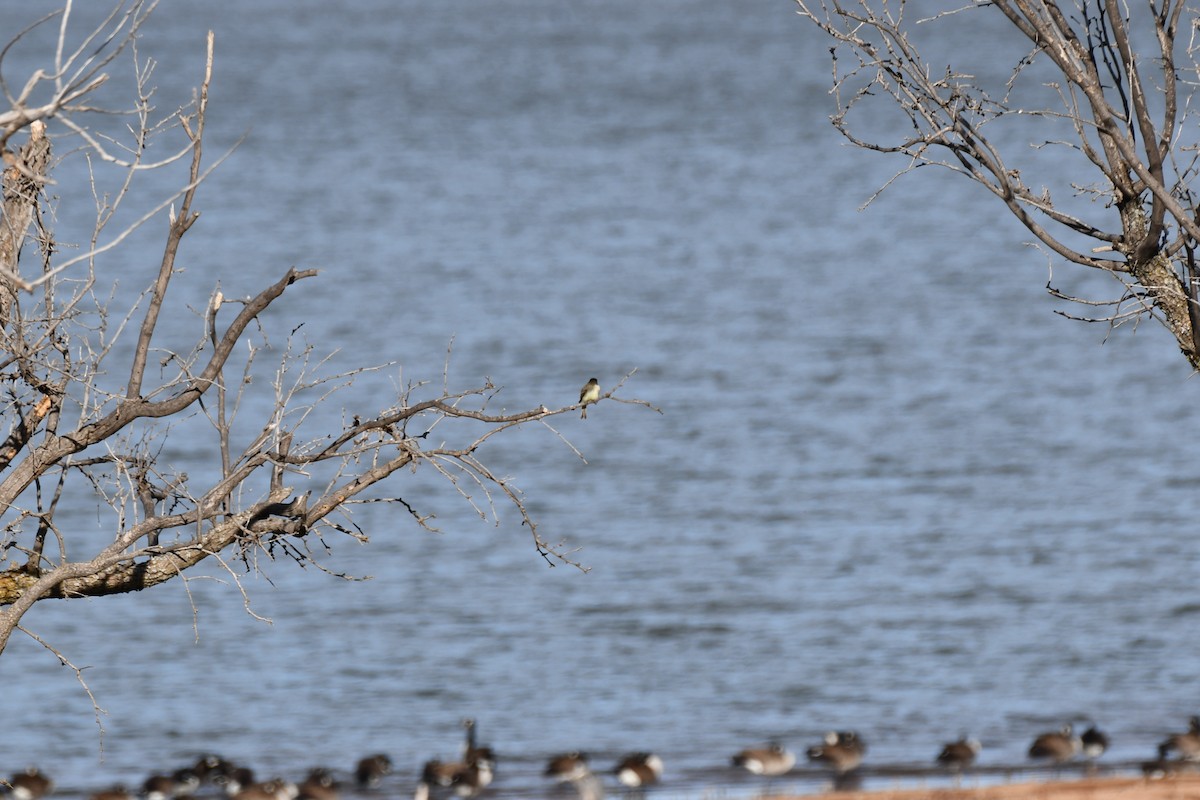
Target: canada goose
[
  {"x": 1161, "y": 767},
  {"x": 31, "y": 784},
  {"x": 567, "y": 767},
  {"x": 473, "y": 779},
  {"x": 469, "y": 745},
  {"x": 369, "y": 771},
  {"x": 319, "y": 785},
  {"x": 181, "y": 783},
  {"x": 1059, "y": 746},
  {"x": 1093, "y": 742},
  {"x": 639, "y": 769},
  {"x": 1165, "y": 767},
  {"x": 960, "y": 754},
  {"x": 842, "y": 750},
  {"x": 771, "y": 760},
  {"x": 439, "y": 773},
  {"x": 232, "y": 779},
  {"x": 480, "y": 761},
  {"x": 158, "y": 787},
  {"x": 209, "y": 766},
  {"x": 274, "y": 789},
  {"x": 187, "y": 782},
  {"x": 1186, "y": 746},
  {"x": 465, "y": 779}
]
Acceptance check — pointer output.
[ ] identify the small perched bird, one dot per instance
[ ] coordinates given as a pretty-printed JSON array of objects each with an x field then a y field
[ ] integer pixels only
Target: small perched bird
[
  {"x": 370, "y": 770},
  {"x": 1185, "y": 745},
  {"x": 590, "y": 393},
  {"x": 1059, "y": 746},
  {"x": 960, "y": 754},
  {"x": 31, "y": 784},
  {"x": 842, "y": 750},
  {"x": 637, "y": 770},
  {"x": 771, "y": 761}
]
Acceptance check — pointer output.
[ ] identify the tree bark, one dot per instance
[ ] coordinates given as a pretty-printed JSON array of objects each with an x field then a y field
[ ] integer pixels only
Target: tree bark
[
  {"x": 23, "y": 181},
  {"x": 1157, "y": 276}
]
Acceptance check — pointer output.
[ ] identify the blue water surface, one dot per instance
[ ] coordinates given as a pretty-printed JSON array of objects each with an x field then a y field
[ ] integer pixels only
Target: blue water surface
[{"x": 890, "y": 490}]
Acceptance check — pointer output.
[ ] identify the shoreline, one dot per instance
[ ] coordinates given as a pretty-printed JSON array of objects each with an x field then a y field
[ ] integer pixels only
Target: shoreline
[{"x": 1172, "y": 787}]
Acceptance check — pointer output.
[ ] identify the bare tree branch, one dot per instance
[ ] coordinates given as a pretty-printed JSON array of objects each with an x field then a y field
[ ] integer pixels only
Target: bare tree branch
[
  {"x": 268, "y": 486},
  {"x": 1123, "y": 107}
]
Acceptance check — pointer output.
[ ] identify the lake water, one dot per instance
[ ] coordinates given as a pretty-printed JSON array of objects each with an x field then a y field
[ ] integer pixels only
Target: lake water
[{"x": 890, "y": 489}]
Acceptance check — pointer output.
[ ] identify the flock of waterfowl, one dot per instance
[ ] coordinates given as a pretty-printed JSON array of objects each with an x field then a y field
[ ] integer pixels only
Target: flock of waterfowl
[{"x": 842, "y": 752}]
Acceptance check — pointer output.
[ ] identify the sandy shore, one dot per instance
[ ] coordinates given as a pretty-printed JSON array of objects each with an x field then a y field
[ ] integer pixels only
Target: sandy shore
[{"x": 1180, "y": 787}]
